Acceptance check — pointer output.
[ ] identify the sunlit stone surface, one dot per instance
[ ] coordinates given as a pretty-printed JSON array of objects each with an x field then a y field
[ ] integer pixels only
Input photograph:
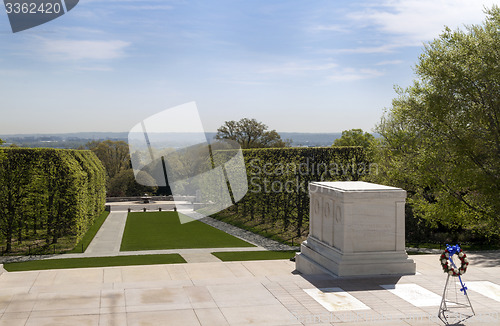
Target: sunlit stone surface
[{"x": 356, "y": 228}]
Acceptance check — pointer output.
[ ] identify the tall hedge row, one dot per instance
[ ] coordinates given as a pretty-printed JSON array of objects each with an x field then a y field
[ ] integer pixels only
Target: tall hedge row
[
  {"x": 49, "y": 193},
  {"x": 278, "y": 180}
]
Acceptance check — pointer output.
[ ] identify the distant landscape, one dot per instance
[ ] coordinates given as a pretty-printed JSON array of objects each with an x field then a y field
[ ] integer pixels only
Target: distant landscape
[{"x": 75, "y": 140}]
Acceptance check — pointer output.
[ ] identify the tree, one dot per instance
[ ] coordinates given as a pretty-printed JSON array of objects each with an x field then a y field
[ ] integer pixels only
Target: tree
[
  {"x": 250, "y": 133},
  {"x": 2, "y": 154},
  {"x": 441, "y": 138},
  {"x": 14, "y": 178},
  {"x": 124, "y": 184},
  {"x": 356, "y": 137},
  {"x": 114, "y": 155}
]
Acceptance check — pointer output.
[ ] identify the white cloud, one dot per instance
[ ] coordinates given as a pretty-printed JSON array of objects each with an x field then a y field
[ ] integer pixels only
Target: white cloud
[
  {"x": 145, "y": 7},
  {"x": 242, "y": 82},
  {"x": 297, "y": 67},
  {"x": 351, "y": 74},
  {"x": 72, "y": 30},
  {"x": 386, "y": 48},
  {"x": 95, "y": 68},
  {"x": 83, "y": 50},
  {"x": 326, "y": 71},
  {"x": 330, "y": 28},
  {"x": 389, "y": 62},
  {"x": 416, "y": 21},
  {"x": 157, "y": 5},
  {"x": 13, "y": 73},
  {"x": 131, "y": 1}
]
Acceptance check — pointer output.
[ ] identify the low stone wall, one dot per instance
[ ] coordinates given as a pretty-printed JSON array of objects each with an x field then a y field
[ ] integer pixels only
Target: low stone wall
[
  {"x": 139, "y": 198},
  {"x": 151, "y": 207}
]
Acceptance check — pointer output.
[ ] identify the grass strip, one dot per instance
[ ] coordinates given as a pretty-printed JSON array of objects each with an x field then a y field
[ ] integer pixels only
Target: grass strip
[
  {"x": 163, "y": 230},
  {"x": 90, "y": 234},
  {"x": 94, "y": 262},
  {"x": 254, "y": 255}
]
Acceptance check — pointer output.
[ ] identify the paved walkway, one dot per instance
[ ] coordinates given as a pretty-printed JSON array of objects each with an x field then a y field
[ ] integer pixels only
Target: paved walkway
[
  {"x": 242, "y": 293},
  {"x": 108, "y": 239}
]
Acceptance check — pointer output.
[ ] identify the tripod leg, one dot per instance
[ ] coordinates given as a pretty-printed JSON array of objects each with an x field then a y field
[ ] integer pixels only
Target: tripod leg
[
  {"x": 443, "y": 307},
  {"x": 470, "y": 305}
]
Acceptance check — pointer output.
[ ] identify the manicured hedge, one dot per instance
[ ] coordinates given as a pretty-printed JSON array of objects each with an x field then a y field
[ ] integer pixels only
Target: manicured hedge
[
  {"x": 278, "y": 180},
  {"x": 51, "y": 192}
]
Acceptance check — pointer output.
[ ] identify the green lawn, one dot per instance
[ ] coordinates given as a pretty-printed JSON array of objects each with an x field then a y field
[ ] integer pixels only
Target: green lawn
[
  {"x": 94, "y": 262},
  {"x": 253, "y": 255},
  {"x": 90, "y": 234},
  {"x": 162, "y": 230}
]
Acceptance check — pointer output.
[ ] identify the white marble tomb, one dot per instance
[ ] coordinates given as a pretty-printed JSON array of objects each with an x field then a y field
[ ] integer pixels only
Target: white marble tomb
[{"x": 355, "y": 228}]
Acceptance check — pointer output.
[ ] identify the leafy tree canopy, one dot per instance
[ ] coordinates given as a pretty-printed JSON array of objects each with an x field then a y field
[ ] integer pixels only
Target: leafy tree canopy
[
  {"x": 355, "y": 137},
  {"x": 114, "y": 155},
  {"x": 441, "y": 138},
  {"x": 1, "y": 153},
  {"x": 250, "y": 133},
  {"x": 124, "y": 184}
]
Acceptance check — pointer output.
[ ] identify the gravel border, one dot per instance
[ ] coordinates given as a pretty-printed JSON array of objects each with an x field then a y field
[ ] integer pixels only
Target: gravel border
[
  {"x": 16, "y": 259},
  {"x": 251, "y": 237}
]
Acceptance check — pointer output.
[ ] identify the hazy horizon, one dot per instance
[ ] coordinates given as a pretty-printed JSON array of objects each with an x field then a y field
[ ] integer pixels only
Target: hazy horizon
[
  {"x": 74, "y": 140},
  {"x": 126, "y": 133}
]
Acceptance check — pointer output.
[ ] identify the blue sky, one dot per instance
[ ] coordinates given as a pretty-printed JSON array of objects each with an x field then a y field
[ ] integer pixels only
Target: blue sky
[{"x": 297, "y": 66}]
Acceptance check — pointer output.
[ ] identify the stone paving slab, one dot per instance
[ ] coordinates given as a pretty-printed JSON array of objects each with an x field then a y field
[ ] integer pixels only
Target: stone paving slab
[
  {"x": 199, "y": 257},
  {"x": 234, "y": 293},
  {"x": 414, "y": 294},
  {"x": 109, "y": 237}
]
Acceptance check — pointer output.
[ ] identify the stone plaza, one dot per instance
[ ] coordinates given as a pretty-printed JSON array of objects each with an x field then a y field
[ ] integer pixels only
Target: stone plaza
[{"x": 241, "y": 293}]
